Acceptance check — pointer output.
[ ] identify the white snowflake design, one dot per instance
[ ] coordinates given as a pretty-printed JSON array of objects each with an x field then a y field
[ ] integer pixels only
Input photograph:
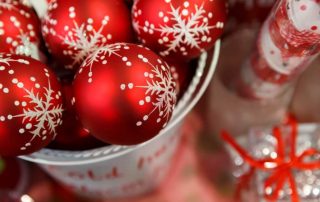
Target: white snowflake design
[
  {"x": 100, "y": 54},
  {"x": 8, "y": 5},
  {"x": 25, "y": 43},
  {"x": 26, "y": 47},
  {"x": 81, "y": 40},
  {"x": 190, "y": 32},
  {"x": 42, "y": 111},
  {"x": 48, "y": 21},
  {"x": 165, "y": 89},
  {"x": 6, "y": 59}
]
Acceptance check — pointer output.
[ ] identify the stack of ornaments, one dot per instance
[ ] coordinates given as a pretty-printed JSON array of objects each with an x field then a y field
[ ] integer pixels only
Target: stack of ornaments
[{"x": 93, "y": 72}]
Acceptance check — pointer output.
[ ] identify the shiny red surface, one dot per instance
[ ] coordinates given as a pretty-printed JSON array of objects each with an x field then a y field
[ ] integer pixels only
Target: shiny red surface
[
  {"x": 72, "y": 135},
  {"x": 114, "y": 112},
  {"x": 16, "y": 101},
  {"x": 198, "y": 17},
  {"x": 16, "y": 21},
  {"x": 59, "y": 17}
]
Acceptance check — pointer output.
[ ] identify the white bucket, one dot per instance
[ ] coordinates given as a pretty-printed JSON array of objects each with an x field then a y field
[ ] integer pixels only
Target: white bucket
[{"x": 125, "y": 171}]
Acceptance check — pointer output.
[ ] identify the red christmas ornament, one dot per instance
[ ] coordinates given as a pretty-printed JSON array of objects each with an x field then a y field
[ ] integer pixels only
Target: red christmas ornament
[
  {"x": 182, "y": 28},
  {"x": 19, "y": 29},
  {"x": 181, "y": 71},
  {"x": 30, "y": 105},
  {"x": 73, "y": 29},
  {"x": 124, "y": 94},
  {"x": 72, "y": 135}
]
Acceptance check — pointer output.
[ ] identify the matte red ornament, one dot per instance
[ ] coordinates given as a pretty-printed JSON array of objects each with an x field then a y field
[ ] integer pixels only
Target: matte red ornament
[
  {"x": 30, "y": 105},
  {"x": 19, "y": 29},
  {"x": 72, "y": 135},
  {"x": 124, "y": 94},
  {"x": 179, "y": 28},
  {"x": 73, "y": 29}
]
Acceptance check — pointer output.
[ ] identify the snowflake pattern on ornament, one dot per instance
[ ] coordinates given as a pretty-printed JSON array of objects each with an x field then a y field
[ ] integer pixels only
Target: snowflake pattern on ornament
[
  {"x": 42, "y": 112},
  {"x": 49, "y": 21},
  {"x": 164, "y": 89},
  {"x": 189, "y": 32},
  {"x": 25, "y": 43},
  {"x": 99, "y": 54},
  {"x": 81, "y": 40},
  {"x": 7, "y": 60},
  {"x": 8, "y": 5},
  {"x": 26, "y": 47}
]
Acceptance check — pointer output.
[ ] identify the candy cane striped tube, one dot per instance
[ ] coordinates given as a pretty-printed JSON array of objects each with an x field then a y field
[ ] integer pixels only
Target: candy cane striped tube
[{"x": 288, "y": 42}]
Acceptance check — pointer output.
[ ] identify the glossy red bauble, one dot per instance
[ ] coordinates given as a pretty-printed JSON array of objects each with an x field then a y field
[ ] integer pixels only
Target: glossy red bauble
[
  {"x": 72, "y": 135},
  {"x": 30, "y": 105},
  {"x": 19, "y": 29},
  {"x": 73, "y": 29},
  {"x": 124, "y": 94},
  {"x": 179, "y": 28}
]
